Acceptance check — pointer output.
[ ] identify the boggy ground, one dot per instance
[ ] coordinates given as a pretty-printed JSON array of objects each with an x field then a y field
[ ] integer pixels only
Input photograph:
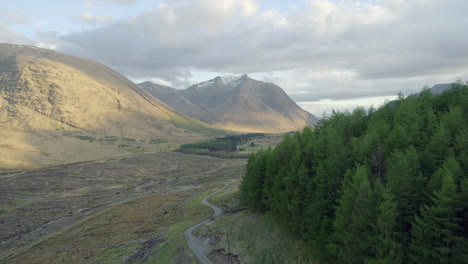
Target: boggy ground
[{"x": 131, "y": 209}]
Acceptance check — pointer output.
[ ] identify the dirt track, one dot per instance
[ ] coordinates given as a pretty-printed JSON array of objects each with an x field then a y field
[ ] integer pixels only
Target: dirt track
[{"x": 198, "y": 247}]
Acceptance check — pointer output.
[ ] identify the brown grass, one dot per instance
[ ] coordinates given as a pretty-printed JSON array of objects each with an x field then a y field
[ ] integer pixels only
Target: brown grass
[{"x": 107, "y": 211}]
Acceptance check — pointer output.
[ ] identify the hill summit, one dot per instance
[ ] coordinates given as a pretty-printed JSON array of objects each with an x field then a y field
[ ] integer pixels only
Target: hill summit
[{"x": 236, "y": 103}]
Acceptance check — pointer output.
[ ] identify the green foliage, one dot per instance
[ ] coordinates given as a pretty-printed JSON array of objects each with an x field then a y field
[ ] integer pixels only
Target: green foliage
[
  {"x": 385, "y": 185},
  {"x": 223, "y": 147},
  {"x": 88, "y": 138},
  {"x": 435, "y": 231},
  {"x": 208, "y": 146},
  {"x": 354, "y": 217},
  {"x": 157, "y": 141},
  {"x": 405, "y": 180},
  {"x": 251, "y": 190},
  {"x": 239, "y": 139},
  {"x": 386, "y": 247}
]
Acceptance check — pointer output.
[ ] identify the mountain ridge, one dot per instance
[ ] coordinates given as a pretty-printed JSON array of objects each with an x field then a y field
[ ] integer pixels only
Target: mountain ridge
[
  {"x": 42, "y": 80},
  {"x": 236, "y": 103}
]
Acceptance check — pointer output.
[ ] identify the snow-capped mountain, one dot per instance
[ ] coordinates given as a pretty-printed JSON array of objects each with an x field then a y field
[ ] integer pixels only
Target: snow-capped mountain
[
  {"x": 237, "y": 103},
  {"x": 226, "y": 81}
]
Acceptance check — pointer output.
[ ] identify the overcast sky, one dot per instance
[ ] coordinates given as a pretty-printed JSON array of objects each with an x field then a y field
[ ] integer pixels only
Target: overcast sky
[{"x": 323, "y": 53}]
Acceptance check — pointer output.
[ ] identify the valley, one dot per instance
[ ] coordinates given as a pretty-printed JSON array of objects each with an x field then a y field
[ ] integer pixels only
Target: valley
[
  {"x": 128, "y": 209},
  {"x": 94, "y": 169},
  {"x": 229, "y": 132}
]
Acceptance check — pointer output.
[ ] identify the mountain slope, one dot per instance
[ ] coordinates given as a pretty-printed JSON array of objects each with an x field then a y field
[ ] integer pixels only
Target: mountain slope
[
  {"x": 237, "y": 104},
  {"x": 43, "y": 90},
  {"x": 441, "y": 87},
  {"x": 173, "y": 98}
]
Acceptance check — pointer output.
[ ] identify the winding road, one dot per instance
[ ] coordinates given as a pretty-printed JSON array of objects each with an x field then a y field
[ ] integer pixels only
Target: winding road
[{"x": 200, "y": 248}]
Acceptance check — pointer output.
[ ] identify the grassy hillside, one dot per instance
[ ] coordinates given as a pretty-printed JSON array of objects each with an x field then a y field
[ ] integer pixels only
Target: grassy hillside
[{"x": 53, "y": 100}]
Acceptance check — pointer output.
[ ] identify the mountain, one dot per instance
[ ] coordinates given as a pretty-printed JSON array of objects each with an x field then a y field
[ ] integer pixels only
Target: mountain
[
  {"x": 44, "y": 91},
  {"x": 437, "y": 88},
  {"x": 441, "y": 87},
  {"x": 173, "y": 98},
  {"x": 237, "y": 104}
]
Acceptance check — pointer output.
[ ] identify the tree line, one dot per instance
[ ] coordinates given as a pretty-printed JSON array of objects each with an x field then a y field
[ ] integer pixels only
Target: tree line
[
  {"x": 383, "y": 185},
  {"x": 224, "y": 147}
]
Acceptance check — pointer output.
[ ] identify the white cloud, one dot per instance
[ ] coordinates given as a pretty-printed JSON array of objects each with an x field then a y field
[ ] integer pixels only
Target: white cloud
[
  {"x": 325, "y": 107},
  {"x": 88, "y": 18},
  {"x": 14, "y": 17},
  {"x": 89, "y": 3},
  {"x": 153, "y": 80},
  {"x": 8, "y": 35},
  {"x": 329, "y": 49},
  {"x": 45, "y": 45},
  {"x": 249, "y": 7},
  {"x": 274, "y": 18}
]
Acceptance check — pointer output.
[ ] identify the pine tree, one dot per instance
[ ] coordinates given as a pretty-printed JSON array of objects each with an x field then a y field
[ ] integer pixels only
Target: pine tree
[
  {"x": 354, "y": 217},
  {"x": 462, "y": 246},
  {"x": 450, "y": 165},
  {"x": 434, "y": 238},
  {"x": 251, "y": 190},
  {"x": 461, "y": 150},
  {"x": 399, "y": 139},
  {"x": 387, "y": 248},
  {"x": 439, "y": 146},
  {"x": 279, "y": 194},
  {"x": 407, "y": 184}
]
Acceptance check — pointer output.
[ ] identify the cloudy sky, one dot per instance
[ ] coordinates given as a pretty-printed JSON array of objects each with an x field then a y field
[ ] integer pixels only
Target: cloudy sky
[{"x": 323, "y": 53}]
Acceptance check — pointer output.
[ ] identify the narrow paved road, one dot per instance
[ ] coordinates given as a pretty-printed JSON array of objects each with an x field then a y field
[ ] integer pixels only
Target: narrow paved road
[{"x": 200, "y": 248}]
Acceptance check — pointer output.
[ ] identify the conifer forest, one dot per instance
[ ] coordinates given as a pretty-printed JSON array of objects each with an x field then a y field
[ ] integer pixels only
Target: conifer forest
[{"x": 386, "y": 185}]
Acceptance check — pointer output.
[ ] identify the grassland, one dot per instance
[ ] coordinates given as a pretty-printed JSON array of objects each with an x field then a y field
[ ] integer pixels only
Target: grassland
[{"x": 121, "y": 210}]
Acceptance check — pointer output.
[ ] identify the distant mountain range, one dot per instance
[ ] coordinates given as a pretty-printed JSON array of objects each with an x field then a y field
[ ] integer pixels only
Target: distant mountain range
[{"x": 236, "y": 103}]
